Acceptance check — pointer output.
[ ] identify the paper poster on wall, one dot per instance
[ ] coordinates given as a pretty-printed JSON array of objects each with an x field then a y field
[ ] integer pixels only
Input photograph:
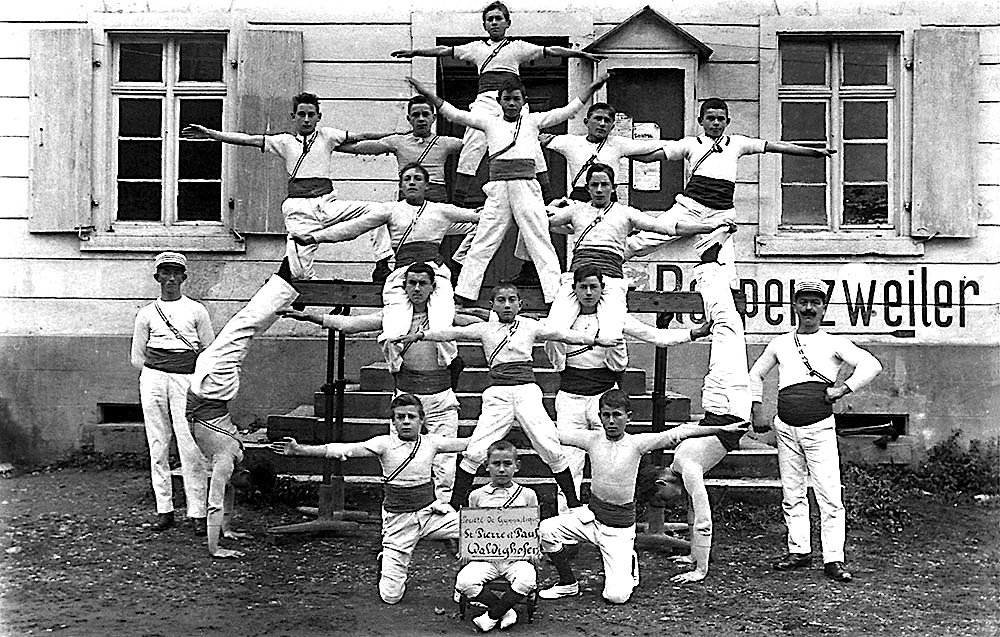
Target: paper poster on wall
[
  {"x": 646, "y": 176},
  {"x": 622, "y": 128}
]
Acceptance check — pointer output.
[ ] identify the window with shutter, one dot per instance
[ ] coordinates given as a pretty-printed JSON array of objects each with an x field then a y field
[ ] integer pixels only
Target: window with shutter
[{"x": 845, "y": 84}]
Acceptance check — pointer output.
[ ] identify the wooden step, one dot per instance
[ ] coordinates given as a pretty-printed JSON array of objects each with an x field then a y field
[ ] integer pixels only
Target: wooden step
[
  {"x": 367, "y": 404},
  {"x": 376, "y": 377}
]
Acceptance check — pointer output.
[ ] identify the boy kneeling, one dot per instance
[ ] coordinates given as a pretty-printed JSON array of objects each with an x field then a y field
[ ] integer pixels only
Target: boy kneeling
[
  {"x": 608, "y": 521},
  {"x": 409, "y": 511}
]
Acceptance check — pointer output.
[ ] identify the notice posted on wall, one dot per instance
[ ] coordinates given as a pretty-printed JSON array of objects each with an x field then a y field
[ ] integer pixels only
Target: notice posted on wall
[
  {"x": 646, "y": 176},
  {"x": 498, "y": 534}
]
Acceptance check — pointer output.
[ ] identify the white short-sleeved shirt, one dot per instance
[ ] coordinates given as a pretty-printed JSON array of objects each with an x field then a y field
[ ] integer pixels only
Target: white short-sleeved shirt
[
  {"x": 392, "y": 451},
  {"x": 578, "y": 151},
  {"x": 317, "y": 162},
  {"x": 500, "y": 132},
  {"x": 713, "y": 174},
  {"x": 509, "y": 59},
  {"x": 188, "y": 316}
]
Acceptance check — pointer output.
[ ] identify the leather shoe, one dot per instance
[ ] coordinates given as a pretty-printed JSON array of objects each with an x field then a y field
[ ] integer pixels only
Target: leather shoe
[
  {"x": 793, "y": 560},
  {"x": 163, "y": 521},
  {"x": 199, "y": 527},
  {"x": 837, "y": 572}
]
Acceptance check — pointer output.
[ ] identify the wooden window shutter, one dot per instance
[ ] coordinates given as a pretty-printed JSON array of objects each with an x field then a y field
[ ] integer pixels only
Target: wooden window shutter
[
  {"x": 269, "y": 73},
  {"x": 945, "y": 112},
  {"x": 60, "y": 129}
]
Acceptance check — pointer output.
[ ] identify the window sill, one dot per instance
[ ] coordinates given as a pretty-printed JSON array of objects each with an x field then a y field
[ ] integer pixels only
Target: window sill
[
  {"x": 161, "y": 238},
  {"x": 807, "y": 244}
]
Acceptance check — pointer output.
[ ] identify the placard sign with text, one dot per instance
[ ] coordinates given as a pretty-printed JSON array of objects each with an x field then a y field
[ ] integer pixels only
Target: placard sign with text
[{"x": 498, "y": 534}]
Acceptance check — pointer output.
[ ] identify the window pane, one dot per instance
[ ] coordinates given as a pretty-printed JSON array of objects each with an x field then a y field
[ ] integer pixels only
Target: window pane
[
  {"x": 140, "y": 62},
  {"x": 866, "y": 205},
  {"x": 200, "y": 160},
  {"x": 201, "y": 62},
  {"x": 865, "y": 63},
  {"x": 865, "y": 162},
  {"x": 803, "y": 63},
  {"x": 139, "y": 118},
  {"x": 138, "y": 160},
  {"x": 866, "y": 120},
  {"x": 803, "y": 121},
  {"x": 139, "y": 201},
  {"x": 803, "y": 205},
  {"x": 796, "y": 169},
  {"x": 205, "y": 112},
  {"x": 199, "y": 201}
]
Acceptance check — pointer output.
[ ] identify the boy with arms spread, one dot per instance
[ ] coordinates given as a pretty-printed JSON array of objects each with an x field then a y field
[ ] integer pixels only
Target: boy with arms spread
[
  {"x": 169, "y": 333},
  {"x": 419, "y": 146},
  {"x": 588, "y": 372},
  {"x": 497, "y": 59},
  {"x": 608, "y": 521},
  {"x": 500, "y": 492},
  {"x": 601, "y": 229},
  {"x": 416, "y": 227},
  {"x": 409, "y": 511},
  {"x": 513, "y": 393},
  {"x": 513, "y": 194},
  {"x": 712, "y": 161},
  {"x": 311, "y": 202},
  {"x": 422, "y": 369}
]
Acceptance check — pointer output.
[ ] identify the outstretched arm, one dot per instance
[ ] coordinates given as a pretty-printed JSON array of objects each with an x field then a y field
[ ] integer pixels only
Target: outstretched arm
[
  {"x": 673, "y": 437},
  {"x": 347, "y": 324},
  {"x": 197, "y": 131},
  {"x": 429, "y": 52},
  {"x": 563, "y": 52},
  {"x": 452, "y": 445},
  {"x": 661, "y": 337},
  {"x": 339, "y": 450},
  {"x": 360, "y": 137},
  {"x": 787, "y": 148},
  {"x": 369, "y": 147},
  {"x": 572, "y": 337},
  {"x": 464, "y": 333}
]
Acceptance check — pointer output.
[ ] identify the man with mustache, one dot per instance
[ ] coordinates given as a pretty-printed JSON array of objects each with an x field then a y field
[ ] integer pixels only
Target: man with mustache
[{"x": 808, "y": 361}]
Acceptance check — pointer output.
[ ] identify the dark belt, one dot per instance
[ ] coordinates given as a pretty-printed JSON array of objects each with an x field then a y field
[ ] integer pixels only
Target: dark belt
[
  {"x": 511, "y": 169},
  {"x": 609, "y": 263},
  {"x": 803, "y": 404},
  {"x": 520, "y": 373},
  {"x": 309, "y": 187},
  {"x": 418, "y": 251},
  {"x": 493, "y": 80},
  {"x": 408, "y": 499},
  {"x": 423, "y": 381},
  {"x": 619, "y": 516}
]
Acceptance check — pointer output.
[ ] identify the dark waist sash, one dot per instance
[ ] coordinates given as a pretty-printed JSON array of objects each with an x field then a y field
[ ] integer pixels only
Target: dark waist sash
[
  {"x": 580, "y": 193},
  {"x": 307, "y": 187},
  {"x": 711, "y": 192},
  {"x": 730, "y": 441},
  {"x": 619, "y": 516},
  {"x": 584, "y": 381},
  {"x": 423, "y": 381},
  {"x": 804, "y": 403},
  {"x": 205, "y": 408},
  {"x": 416, "y": 251},
  {"x": 179, "y": 361},
  {"x": 520, "y": 373},
  {"x": 510, "y": 169},
  {"x": 609, "y": 262},
  {"x": 408, "y": 499},
  {"x": 492, "y": 80}
]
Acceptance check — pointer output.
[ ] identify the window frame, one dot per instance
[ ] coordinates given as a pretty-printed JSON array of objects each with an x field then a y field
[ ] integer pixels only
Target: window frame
[
  {"x": 773, "y": 239},
  {"x": 110, "y": 233}
]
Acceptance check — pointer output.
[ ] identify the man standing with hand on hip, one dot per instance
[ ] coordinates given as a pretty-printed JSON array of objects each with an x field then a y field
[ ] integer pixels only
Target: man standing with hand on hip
[{"x": 808, "y": 361}]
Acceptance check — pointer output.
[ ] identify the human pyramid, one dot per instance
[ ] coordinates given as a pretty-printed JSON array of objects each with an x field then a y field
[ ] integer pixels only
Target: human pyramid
[{"x": 423, "y": 317}]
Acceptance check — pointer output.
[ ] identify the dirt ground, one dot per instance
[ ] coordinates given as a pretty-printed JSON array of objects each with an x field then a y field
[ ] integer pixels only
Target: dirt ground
[{"x": 78, "y": 558}]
